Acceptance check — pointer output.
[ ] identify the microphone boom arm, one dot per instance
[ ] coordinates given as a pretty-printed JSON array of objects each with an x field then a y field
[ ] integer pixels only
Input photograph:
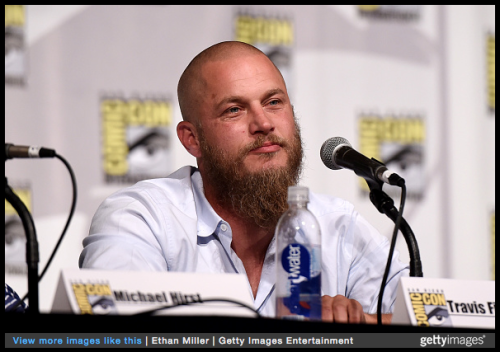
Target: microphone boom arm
[
  {"x": 32, "y": 253},
  {"x": 385, "y": 205}
]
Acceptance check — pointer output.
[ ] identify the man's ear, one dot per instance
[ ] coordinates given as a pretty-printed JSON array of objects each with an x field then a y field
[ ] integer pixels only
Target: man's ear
[{"x": 188, "y": 136}]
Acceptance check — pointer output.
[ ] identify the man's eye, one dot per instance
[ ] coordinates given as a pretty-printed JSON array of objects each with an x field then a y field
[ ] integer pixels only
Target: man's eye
[
  {"x": 233, "y": 110},
  {"x": 274, "y": 102}
]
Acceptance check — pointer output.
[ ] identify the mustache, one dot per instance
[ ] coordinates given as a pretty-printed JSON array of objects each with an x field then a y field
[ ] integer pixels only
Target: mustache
[{"x": 261, "y": 140}]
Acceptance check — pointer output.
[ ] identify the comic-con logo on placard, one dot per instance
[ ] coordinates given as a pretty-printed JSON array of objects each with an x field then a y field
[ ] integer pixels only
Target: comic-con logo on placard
[
  {"x": 274, "y": 35},
  {"x": 15, "y": 69},
  {"x": 390, "y": 12},
  {"x": 398, "y": 142},
  {"x": 15, "y": 237},
  {"x": 430, "y": 308},
  {"x": 490, "y": 64},
  {"x": 94, "y": 298},
  {"x": 136, "y": 138}
]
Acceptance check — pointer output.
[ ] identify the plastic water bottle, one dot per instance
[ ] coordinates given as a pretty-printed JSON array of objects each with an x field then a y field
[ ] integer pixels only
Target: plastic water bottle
[{"x": 298, "y": 260}]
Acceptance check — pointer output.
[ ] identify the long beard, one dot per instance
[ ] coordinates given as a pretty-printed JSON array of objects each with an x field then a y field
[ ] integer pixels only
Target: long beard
[{"x": 257, "y": 196}]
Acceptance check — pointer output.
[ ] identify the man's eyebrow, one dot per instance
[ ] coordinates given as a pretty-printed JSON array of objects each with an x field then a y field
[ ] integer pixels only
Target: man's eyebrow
[
  {"x": 240, "y": 99},
  {"x": 272, "y": 92},
  {"x": 228, "y": 100}
]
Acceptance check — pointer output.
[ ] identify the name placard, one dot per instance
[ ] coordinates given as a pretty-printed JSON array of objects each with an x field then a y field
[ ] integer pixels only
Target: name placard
[
  {"x": 88, "y": 291},
  {"x": 445, "y": 302}
]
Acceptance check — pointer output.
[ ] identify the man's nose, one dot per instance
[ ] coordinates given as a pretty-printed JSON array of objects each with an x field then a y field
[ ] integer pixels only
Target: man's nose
[{"x": 261, "y": 122}]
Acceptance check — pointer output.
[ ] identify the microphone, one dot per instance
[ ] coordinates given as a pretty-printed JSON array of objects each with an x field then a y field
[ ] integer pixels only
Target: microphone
[
  {"x": 19, "y": 151},
  {"x": 337, "y": 153}
]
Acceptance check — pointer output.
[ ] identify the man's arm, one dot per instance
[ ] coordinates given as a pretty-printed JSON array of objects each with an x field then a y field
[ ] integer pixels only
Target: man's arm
[
  {"x": 340, "y": 309},
  {"x": 124, "y": 234}
]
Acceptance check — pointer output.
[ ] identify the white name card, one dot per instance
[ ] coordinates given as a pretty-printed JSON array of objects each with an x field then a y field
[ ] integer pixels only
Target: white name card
[
  {"x": 89, "y": 291},
  {"x": 445, "y": 302}
]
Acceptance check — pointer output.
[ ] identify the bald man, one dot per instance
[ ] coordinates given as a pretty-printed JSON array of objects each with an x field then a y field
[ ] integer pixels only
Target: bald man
[{"x": 239, "y": 124}]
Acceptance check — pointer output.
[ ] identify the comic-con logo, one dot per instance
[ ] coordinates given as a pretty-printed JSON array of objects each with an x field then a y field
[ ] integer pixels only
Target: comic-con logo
[
  {"x": 430, "y": 309},
  {"x": 14, "y": 44},
  {"x": 15, "y": 236},
  {"x": 94, "y": 298},
  {"x": 390, "y": 12},
  {"x": 136, "y": 139},
  {"x": 490, "y": 57},
  {"x": 254, "y": 29},
  {"x": 398, "y": 142},
  {"x": 273, "y": 35}
]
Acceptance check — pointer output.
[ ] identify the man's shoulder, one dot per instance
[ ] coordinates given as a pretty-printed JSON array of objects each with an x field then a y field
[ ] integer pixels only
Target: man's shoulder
[
  {"x": 179, "y": 179},
  {"x": 321, "y": 204},
  {"x": 175, "y": 189}
]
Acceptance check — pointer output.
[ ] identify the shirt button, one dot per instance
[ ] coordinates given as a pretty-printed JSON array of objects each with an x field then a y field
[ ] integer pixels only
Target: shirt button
[{"x": 223, "y": 227}]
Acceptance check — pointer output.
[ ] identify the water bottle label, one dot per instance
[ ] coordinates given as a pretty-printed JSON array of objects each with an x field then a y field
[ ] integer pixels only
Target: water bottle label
[
  {"x": 303, "y": 290},
  {"x": 297, "y": 263}
]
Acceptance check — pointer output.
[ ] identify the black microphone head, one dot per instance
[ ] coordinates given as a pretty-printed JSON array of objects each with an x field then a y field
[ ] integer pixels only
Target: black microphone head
[
  {"x": 7, "y": 154},
  {"x": 328, "y": 148}
]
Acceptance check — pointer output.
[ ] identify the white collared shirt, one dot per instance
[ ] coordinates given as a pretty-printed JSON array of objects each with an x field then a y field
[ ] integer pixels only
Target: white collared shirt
[{"x": 167, "y": 224}]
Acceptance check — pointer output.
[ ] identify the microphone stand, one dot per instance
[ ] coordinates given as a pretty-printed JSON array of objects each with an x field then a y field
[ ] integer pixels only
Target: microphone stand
[
  {"x": 385, "y": 205},
  {"x": 32, "y": 255}
]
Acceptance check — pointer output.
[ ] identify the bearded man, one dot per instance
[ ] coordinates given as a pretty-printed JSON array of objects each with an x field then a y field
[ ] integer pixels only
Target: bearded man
[{"x": 239, "y": 123}]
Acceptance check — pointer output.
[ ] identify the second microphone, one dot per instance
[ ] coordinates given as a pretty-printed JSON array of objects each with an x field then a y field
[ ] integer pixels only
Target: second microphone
[{"x": 337, "y": 153}]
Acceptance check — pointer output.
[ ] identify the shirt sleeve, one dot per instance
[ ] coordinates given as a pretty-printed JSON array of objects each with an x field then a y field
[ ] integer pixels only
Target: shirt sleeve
[
  {"x": 125, "y": 234},
  {"x": 370, "y": 251},
  {"x": 354, "y": 256}
]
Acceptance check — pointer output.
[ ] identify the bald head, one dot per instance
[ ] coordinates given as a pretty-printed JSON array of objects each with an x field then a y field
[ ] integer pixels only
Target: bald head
[{"x": 191, "y": 85}]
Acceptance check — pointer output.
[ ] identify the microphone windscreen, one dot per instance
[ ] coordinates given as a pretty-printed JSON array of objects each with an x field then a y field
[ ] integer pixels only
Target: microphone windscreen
[{"x": 326, "y": 151}]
